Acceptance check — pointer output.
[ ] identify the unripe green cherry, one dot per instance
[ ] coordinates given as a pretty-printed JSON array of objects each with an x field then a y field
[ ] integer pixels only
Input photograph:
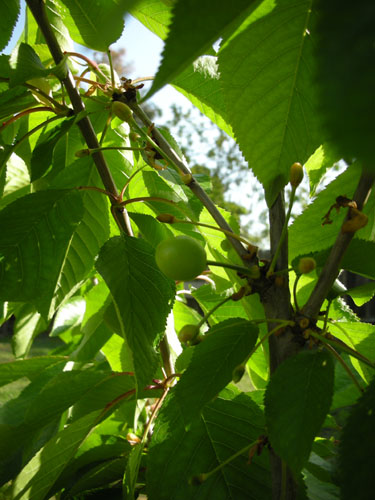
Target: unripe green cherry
[
  {"x": 133, "y": 136},
  {"x": 296, "y": 174},
  {"x": 306, "y": 265},
  {"x": 122, "y": 111},
  {"x": 181, "y": 258},
  {"x": 188, "y": 333}
]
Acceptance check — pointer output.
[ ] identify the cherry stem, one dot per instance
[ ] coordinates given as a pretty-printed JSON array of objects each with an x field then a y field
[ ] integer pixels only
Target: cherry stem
[
  {"x": 116, "y": 148},
  {"x": 143, "y": 79},
  {"x": 99, "y": 190},
  {"x": 211, "y": 311},
  {"x": 91, "y": 82},
  {"x": 154, "y": 412},
  {"x": 128, "y": 181},
  {"x": 146, "y": 199},
  {"x": 53, "y": 101},
  {"x": 283, "y": 233},
  {"x": 111, "y": 68},
  {"x": 204, "y": 476},
  {"x": 24, "y": 113},
  {"x": 282, "y": 324},
  {"x": 295, "y": 291},
  {"x": 235, "y": 267},
  {"x": 209, "y": 226},
  {"x": 344, "y": 365},
  {"x": 91, "y": 63},
  {"x": 341, "y": 345}
]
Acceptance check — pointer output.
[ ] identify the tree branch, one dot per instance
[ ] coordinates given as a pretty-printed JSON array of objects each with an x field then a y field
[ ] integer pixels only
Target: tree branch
[
  {"x": 193, "y": 185},
  {"x": 331, "y": 268},
  {"x": 37, "y": 8}
]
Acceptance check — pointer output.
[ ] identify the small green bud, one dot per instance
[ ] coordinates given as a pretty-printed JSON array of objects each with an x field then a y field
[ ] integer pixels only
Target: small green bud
[
  {"x": 254, "y": 272},
  {"x": 134, "y": 137},
  {"x": 81, "y": 153},
  {"x": 122, "y": 111},
  {"x": 188, "y": 333},
  {"x": 186, "y": 179},
  {"x": 296, "y": 174},
  {"x": 306, "y": 265},
  {"x": 167, "y": 218},
  {"x": 197, "y": 479}
]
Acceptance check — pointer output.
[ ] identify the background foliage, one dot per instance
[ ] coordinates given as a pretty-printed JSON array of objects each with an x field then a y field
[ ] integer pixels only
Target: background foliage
[{"x": 275, "y": 396}]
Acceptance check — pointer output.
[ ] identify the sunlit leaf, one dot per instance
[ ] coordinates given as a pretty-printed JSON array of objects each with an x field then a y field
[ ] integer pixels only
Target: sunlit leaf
[
  {"x": 36, "y": 233},
  {"x": 9, "y": 14},
  {"x": 142, "y": 297},
  {"x": 266, "y": 69},
  {"x": 194, "y": 28}
]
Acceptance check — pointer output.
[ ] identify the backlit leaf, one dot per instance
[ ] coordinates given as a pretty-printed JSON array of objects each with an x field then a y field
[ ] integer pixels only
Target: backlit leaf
[
  {"x": 142, "y": 298},
  {"x": 266, "y": 69}
]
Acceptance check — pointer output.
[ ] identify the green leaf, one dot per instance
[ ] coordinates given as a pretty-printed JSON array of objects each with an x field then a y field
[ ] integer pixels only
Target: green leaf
[
  {"x": 94, "y": 25},
  {"x": 38, "y": 476},
  {"x": 357, "y": 459},
  {"x": 266, "y": 68},
  {"x": 195, "y": 27},
  {"x": 307, "y": 234},
  {"x": 362, "y": 293},
  {"x": 14, "y": 100},
  {"x": 59, "y": 394},
  {"x": 68, "y": 316},
  {"x": 201, "y": 84},
  {"x": 25, "y": 64},
  {"x": 345, "y": 56},
  {"x": 361, "y": 337},
  {"x": 353, "y": 259},
  {"x": 36, "y": 233},
  {"x": 25, "y": 368},
  {"x": 142, "y": 296},
  {"x": 152, "y": 230},
  {"x": 42, "y": 154},
  {"x": 10, "y": 11},
  {"x": 319, "y": 162},
  {"x": 95, "y": 334},
  {"x": 131, "y": 471},
  {"x": 105, "y": 473},
  {"x": 26, "y": 327},
  {"x": 91, "y": 233},
  {"x": 17, "y": 181},
  {"x": 115, "y": 387},
  {"x": 225, "y": 427},
  {"x": 295, "y": 411},
  {"x": 154, "y": 14},
  {"x": 225, "y": 346},
  {"x": 207, "y": 299}
]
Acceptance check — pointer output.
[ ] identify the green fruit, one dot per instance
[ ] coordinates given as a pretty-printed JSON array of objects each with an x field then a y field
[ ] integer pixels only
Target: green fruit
[
  {"x": 122, "y": 111},
  {"x": 306, "y": 265},
  {"x": 296, "y": 174},
  {"x": 188, "y": 333},
  {"x": 181, "y": 258}
]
